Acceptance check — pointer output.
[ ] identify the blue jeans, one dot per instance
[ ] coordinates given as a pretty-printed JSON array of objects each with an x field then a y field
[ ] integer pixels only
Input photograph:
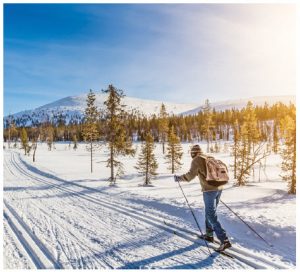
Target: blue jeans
[{"x": 211, "y": 201}]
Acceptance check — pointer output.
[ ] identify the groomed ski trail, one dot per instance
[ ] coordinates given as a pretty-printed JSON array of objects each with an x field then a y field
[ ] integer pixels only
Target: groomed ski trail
[{"x": 19, "y": 168}]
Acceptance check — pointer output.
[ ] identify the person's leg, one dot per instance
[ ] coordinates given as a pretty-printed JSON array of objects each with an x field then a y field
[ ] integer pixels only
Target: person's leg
[
  {"x": 207, "y": 206},
  {"x": 211, "y": 199}
]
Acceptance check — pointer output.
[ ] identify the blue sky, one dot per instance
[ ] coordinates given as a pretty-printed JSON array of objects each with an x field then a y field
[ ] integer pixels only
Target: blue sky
[{"x": 178, "y": 53}]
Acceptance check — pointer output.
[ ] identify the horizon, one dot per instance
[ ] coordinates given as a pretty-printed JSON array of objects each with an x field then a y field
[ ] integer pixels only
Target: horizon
[
  {"x": 197, "y": 105},
  {"x": 240, "y": 49}
]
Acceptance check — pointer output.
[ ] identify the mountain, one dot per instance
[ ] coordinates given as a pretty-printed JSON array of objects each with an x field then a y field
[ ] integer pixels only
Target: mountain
[
  {"x": 71, "y": 108},
  {"x": 241, "y": 103}
]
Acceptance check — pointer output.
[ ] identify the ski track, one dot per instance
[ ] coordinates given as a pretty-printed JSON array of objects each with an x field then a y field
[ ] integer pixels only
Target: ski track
[
  {"x": 14, "y": 248},
  {"x": 69, "y": 233},
  {"x": 75, "y": 253}
]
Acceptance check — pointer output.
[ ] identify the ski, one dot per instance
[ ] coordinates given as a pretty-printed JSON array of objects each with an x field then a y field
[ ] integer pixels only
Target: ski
[{"x": 199, "y": 236}]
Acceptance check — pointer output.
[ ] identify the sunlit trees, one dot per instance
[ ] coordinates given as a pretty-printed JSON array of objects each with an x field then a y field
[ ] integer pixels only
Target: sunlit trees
[
  {"x": 90, "y": 128},
  {"x": 207, "y": 122},
  {"x": 147, "y": 164},
  {"x": 24, "y": 140},
  {"x": 288, "y": 153},
  {"x": 174, "y": 151},
  {"x": 249, "y": 150},
  {"x": 115, "y": 134},
  {"x": 163, "y": 125}
]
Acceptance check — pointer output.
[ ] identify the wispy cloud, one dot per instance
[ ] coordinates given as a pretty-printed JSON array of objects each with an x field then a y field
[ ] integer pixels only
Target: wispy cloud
[{"x": 178, "y": 53}]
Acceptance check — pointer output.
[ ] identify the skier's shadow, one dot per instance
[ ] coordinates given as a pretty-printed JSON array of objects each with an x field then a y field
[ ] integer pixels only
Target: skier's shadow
[{"x": 207, "y": 261}]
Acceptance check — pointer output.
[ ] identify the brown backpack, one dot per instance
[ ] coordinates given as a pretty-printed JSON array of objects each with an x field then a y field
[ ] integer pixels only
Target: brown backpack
[{"x": 216, "y": 171}]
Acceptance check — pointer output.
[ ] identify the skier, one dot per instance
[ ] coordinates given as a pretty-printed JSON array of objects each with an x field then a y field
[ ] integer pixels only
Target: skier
[{"x": 211, "y": 196}]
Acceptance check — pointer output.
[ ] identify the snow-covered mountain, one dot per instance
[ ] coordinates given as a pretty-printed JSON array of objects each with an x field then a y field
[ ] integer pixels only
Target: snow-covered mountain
[
  {"x": 72, "y": 107},
  {"x": 241, "y": 103}
]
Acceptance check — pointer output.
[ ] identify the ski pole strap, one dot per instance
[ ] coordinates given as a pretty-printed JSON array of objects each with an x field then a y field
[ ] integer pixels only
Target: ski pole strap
[
  {"x": 194, "y": 217},
  {"x": 251, "y": 228}
]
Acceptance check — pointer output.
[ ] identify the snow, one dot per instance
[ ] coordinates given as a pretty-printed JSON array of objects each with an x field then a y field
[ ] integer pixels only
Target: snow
[
  {"x": 242, "y": 103},
  {"x": 73, "y": 106},
  {"x": 61, "y": 215}
]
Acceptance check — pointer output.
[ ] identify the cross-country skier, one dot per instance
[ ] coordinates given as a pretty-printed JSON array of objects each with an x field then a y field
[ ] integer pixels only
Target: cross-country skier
[{"x": 211, "y": 196}]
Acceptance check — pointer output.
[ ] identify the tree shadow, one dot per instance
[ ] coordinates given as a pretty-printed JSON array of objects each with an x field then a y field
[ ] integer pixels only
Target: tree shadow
[{"x": 146, "y": 263}]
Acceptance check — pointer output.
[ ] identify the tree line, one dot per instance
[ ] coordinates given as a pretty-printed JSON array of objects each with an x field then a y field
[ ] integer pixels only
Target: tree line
[{"x": 255, "y": 132}]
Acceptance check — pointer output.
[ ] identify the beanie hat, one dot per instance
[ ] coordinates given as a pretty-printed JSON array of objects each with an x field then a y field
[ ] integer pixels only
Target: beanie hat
[{"x": 195, "y": 150}]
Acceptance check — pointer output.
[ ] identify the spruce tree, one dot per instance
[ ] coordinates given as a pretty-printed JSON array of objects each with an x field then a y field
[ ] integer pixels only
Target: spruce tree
[
  {"x": 288, "y": 153},
  {"x": 275, "y": 138},
  {"x": 49, "y": 137},
  {"x": 241, "y": 153},
  {"x": 174, "y": 151},
  {"x": 251, "y": 131},
  {"x": 75, "y": 142},
  {"x": 90, "y": 128},
  {"x": 248, "y": 153},
  {"x": 24, "y": 140},
  {"x": 115, "y": 133},
  {"x": 235, "y": 145},
  {"x": 147, "y": 164},
  {"x": 207, "y": 122},
  {"x": 163, "y": 125}
]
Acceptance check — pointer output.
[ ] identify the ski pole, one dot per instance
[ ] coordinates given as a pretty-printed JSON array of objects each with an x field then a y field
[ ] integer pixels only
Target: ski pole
[
  {"x": 253, "y": 230},
  {"x": 194, "y": 217}
]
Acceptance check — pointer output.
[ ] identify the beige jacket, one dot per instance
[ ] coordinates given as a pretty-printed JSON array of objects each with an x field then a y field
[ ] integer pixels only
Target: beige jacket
[{"x": 198, "y": 168}]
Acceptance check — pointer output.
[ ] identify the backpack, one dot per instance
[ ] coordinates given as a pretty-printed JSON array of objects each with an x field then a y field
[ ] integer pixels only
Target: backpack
[{"x": 216, "y": 171}]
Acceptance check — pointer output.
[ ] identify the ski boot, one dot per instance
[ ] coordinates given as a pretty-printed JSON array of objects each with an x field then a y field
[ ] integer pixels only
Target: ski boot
[
  {"x": 224, "y": 245},
  {"x": 207, "y": 237}
]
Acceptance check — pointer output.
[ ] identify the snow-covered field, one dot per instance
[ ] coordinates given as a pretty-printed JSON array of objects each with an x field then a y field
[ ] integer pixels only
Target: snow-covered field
[{"x": 59, "y": 215}]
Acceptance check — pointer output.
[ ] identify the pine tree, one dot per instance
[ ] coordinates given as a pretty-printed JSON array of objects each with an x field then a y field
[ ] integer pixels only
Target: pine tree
[
  {"x": 207, "y": 122},
  {"x": 250, "y": 131},
  {"x": 49, "y": 137},
  {"x": 118, "y": 141},
  {"x": 288, "y": 125},
  {"x": 275, "y": 138},
  {"x": 174, "y": 151},
  {"x": 24, "y": 140},
  {"x": 147, "y": 164},
  {"x": 75, "y": 142},
  {"x": 163, "y": 125},
  {"x": 90, "y": 129},
  {"x": 241, "y": 154},
  {"x": 235, "y": 145},
  {"x": 247, "y": 155}
]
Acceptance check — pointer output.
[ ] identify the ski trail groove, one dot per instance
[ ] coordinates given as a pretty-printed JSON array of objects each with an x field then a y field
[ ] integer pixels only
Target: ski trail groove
[
  {"x": 133, "y": 213},
  {"x": 38, "y": 253},
  {"x": 233, "y": 249},
  {"x": 60, "y": 189}
]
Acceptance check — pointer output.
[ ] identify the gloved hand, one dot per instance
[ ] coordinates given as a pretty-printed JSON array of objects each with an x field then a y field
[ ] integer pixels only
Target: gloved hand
[{"x": 177, "y": 178}]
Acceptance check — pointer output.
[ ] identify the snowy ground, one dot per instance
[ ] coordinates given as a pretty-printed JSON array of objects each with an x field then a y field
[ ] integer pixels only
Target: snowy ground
[{"x": 57, "y": 214}]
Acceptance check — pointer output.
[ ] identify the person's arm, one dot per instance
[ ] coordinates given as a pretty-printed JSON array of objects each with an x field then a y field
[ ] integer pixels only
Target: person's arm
[{"x": 192, "y": 173}]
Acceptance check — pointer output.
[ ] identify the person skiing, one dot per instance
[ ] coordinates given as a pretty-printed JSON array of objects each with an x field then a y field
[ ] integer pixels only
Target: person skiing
[{"x": 211, "y": 197}]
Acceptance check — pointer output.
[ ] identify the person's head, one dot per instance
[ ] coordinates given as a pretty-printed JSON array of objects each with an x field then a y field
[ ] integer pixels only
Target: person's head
[{"x": 196, "y": 150}]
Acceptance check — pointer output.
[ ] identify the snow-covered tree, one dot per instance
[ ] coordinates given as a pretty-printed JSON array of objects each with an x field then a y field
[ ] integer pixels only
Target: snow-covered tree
[
  {"x": 118, "y": 141},
  {"x": 163, "y": 125},
  {"x": 90, "y": 130},
  {"x": 147, "y": 164},
  {"x": 288, "y": 153},
  {"x": 174, "y": 151}
]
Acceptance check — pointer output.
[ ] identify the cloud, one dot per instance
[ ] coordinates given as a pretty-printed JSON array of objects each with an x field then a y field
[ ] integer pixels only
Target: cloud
[{"x": 182, "y": 53}]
